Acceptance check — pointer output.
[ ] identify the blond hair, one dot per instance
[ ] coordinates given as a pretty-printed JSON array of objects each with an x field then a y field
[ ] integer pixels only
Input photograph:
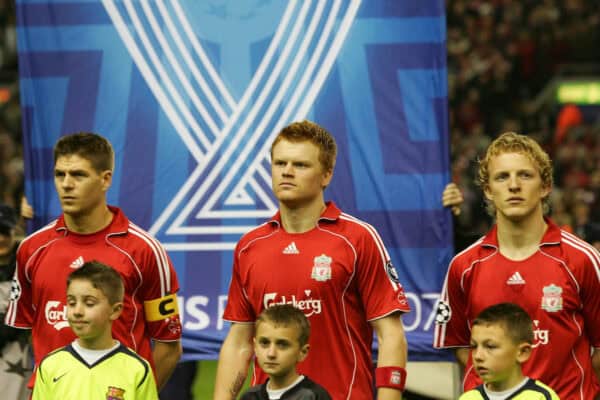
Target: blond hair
[{"x": 511, "y": 142}]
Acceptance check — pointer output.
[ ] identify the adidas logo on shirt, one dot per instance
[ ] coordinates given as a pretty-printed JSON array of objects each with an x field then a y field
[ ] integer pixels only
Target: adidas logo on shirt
[
  {"x": 515, "y": 279},
  {"x": 77, "y": 263},
  {"x": 291, "y": 249}
]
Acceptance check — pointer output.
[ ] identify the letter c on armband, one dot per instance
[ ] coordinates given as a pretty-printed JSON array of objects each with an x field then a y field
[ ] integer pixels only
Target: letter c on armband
[{"x": 162, "y": 308}]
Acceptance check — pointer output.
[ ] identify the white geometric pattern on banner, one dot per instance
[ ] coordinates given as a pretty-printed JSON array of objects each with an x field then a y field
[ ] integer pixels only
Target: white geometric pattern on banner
[{"x": 291, "y": 90}]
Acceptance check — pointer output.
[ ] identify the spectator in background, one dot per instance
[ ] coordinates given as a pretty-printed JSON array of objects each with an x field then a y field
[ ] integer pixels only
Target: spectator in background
[
  {"x": 527, "y": 260},
  {"x": 15, "y": 364},
  {"x": 502, "y": 54},
  {"x": 585, "y": 228}
]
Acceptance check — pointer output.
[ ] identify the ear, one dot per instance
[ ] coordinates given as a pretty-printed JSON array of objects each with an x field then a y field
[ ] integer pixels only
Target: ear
[
  {"x": 524, "y": 352},
  {"x": 546, "y": 191},
  {"x": 326, "y": 179},
  {"x": 117, "y": 308},
  {"x": 487, "y": 192},
  {"x": 106, "y": 177},
  {"x": 303, "y": 352}
]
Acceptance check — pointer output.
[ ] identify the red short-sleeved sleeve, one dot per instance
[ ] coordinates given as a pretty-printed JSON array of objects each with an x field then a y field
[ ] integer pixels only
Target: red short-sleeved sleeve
[
  {"x": 590, "y": 294},
  {"x": 238, "y": 308},
  {"x": 452, "y": 325},
  {"x": 20, "y": 309},
  {"x": 378, "y": 283},
  {"x": 160, "y": 285}
]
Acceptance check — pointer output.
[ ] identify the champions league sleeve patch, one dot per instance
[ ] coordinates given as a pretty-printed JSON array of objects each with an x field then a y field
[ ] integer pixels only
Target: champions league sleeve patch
[
  {"x": 161, "y": 309},
  {"x": 15, "y": 290},
  {"x": 391, "y": 272},
  {"x": 443, "y": 313}
]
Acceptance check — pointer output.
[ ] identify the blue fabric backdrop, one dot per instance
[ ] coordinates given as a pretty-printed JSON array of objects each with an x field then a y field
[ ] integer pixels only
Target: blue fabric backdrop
[{"x": 191, "y": 93}]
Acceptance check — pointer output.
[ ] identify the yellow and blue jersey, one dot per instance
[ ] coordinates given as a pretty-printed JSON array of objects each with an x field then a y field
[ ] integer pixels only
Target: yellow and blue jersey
[
  {"x": 531, "y": 390},
  {"x": 119, "y": 375}
]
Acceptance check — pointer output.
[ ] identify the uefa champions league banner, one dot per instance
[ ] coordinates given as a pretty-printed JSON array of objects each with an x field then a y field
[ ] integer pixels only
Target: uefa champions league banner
[{"x": 191, "y": 94}]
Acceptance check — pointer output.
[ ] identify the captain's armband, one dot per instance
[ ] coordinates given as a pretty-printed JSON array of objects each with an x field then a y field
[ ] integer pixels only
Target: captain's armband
[{"x": 162, "y": 308}]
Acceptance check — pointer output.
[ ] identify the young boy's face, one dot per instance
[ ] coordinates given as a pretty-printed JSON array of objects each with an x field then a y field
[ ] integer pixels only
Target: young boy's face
[
  {"x": 90, "y": 314},
  {"x": 496, "y": 357},
  {"x": 278, "y": 350}
]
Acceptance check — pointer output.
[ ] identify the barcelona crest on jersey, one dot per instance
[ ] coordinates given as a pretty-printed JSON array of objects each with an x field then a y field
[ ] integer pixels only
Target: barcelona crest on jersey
[{"x": 115, "y": 393}]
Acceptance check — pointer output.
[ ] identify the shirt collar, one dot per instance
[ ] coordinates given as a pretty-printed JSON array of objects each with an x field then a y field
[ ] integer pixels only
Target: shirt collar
[
  {"x": 552, "y": 236},
  {"x": 331, "y": 213},
  {"x": 118, "y": 225}
]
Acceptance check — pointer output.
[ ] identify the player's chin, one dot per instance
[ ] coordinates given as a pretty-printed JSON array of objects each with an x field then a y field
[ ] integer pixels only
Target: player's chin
[
  {"x": 284, "y": 195},
  {"x": 270, "y": 367},
  {"x": 70, "y": 209},
  {"x": 483, "y": 373},
  {"x": 78, "y": 326}
]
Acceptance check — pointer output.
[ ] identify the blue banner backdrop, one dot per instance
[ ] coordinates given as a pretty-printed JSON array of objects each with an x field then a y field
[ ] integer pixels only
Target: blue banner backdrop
[{"x": 191, "y": 93}]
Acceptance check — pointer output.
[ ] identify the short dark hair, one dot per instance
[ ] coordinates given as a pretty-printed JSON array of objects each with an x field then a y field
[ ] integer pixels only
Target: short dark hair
[
  {"x": 102, "y": 277},
  {"x": 515, "y": 320},
  {"x": 286, "y": 314},
  {"x": 309, "y": 131},
  {"x": 91, "y": 146}
]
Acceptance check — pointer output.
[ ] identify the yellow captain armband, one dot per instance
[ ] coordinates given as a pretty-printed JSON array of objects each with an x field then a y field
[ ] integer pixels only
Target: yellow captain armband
[{"x": 162, "y": 308}]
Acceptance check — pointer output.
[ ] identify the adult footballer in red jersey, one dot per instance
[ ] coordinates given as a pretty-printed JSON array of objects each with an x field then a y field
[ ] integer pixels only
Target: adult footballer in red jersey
[
  {"x": 330, "y": 265},
  {"x": 526, "y": 259},
  {"x": 88, "y": 230}
]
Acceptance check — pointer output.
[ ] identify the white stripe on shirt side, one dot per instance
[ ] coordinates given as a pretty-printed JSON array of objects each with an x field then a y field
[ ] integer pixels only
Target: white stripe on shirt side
[
  {"x": 161, "y": 262},
  {"x": 589, "y": 250},
  {"x": 582, "y": 374},
  {"x": 565, "y": 266},
  {"x": 258, "y": 238},
  {"x": 161, "y": 253},
  {"x": 567, "y": 241},
  {"x": 11, "y": 312},
  {"x": 439, "y": 333},
  {"x": 237, "y": 254},
  {"x": 346, "y": 326},
  {"x": 134, "y": 292},
  {"x": 385, "y": 257}
]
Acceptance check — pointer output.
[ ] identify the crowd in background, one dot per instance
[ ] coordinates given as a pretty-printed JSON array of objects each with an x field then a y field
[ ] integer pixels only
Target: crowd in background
[
  {"x": 501, "y": 56},
  {"x": 11, "y": 159}
]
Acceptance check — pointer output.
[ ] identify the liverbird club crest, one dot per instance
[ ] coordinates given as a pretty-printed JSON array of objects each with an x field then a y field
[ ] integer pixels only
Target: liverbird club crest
[
  {"x": 322, "y": 268},
  {"x": 552, "y": 299}
]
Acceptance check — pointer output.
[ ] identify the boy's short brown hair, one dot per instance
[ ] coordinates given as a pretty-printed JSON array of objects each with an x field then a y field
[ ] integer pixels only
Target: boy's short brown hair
[
  {"x": 102, "y": 277},
  {"x": 286, "y": 315},
  {"x": 515, "y": 321}
]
